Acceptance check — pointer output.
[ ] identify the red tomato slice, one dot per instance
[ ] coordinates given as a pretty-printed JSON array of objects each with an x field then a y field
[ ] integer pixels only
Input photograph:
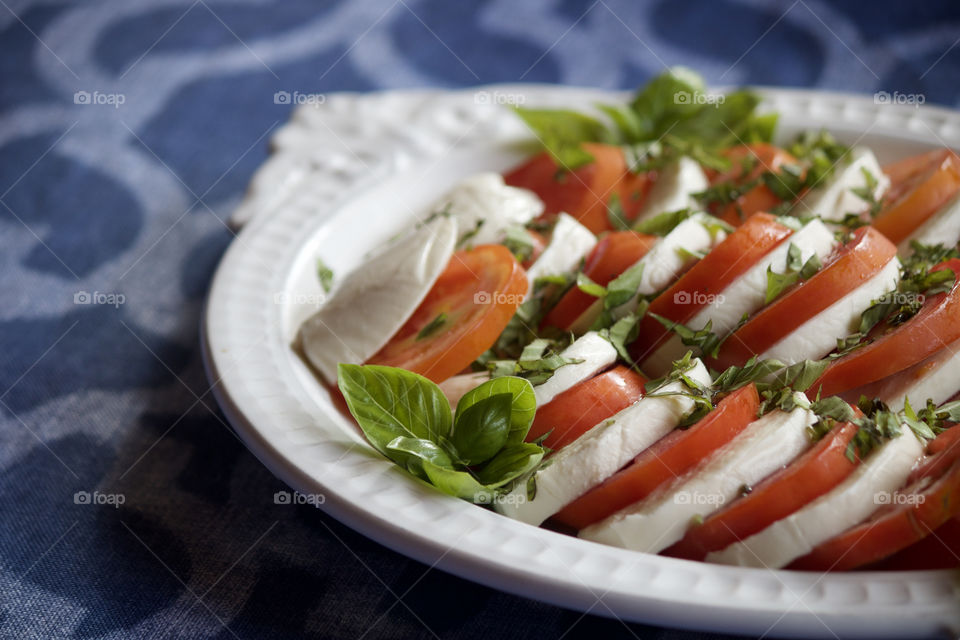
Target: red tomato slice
[
  {"x": 934, "y": 500},
  {"x": 943, "y": 452},
  {"x": 669, "y": 458},
  {"x": 614, "y": 254},
  {"x": 921, "y": 185},
  {"x": 849, "y": 267},
  {"x": 633, "y": 192},
  {"x": 939, "y": 550},
  {"x": 584, "y": 193},
  {"x": 715, "y": 272},
  {"x": 760, "y": 198},
  {"x": 580, "y": 408},
  {"x": 478, "y": 293},
  {"x": 901, "y": 347},
  {"x": 810, "y": 476}
]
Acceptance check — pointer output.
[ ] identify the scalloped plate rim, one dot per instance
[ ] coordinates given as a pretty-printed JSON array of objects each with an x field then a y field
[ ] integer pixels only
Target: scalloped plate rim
[{"x": 642, "y": 607}]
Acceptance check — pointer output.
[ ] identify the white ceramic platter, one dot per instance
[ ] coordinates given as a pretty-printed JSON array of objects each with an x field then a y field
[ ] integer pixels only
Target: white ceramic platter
[{"x": 350, "y": 170}]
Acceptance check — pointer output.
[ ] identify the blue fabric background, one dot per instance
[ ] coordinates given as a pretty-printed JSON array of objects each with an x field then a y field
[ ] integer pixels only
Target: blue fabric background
[{"x": 131, "y": 200}]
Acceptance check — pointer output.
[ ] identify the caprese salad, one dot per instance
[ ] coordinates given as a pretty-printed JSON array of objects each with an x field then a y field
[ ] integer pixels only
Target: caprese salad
[{"x": 668, "y": 333}]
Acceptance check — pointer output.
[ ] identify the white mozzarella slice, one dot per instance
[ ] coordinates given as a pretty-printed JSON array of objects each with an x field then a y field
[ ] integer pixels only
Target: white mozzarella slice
[
  {"x": 484, "y": 200},
  {"x": 569, "y": 243},
  {"x": 848, "y": 504},
  {"x": 456, "y": 387},
  {"x": 818, "y": 336},
  {"x": 596, "y": 354},
  {"x": 834, "y": 199},
  {"x": 662, "y": 519},
  {"x": 600, "y": 452},
  {"x": 674, "y": 188},
  {"x": 936, "y": 378},
  {"x": 746, "y": 294},
  {"x": 942, "y": 228},
  {"x": 667, "y": 259},
  {"x": 376, "y": 298}
]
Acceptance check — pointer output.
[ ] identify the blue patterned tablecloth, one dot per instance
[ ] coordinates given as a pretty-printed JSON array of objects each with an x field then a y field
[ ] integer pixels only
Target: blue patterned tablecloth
[{"x": 128, "y": 131}]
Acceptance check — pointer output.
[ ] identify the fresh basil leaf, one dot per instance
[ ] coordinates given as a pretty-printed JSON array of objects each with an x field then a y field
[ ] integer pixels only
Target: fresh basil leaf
[
  {"x": 834, "y": 408},
  {"x": 411, "y": 453},
  {"x": 390, "y": 403},
  {"x": 868, "y": 191},
  {"x": 460, "y": 484},
  {"x": 799, "y": 376},
  {"x": 754, "y": 370},
  {"x": 777, "y": 283},
  {"x": 615, "y": 214},
  {"x": 518, "y": 240},
  {"x": 523, "y": 405},
  {"x": 622, "y": 288},
  {"x": 481, "y": 428},
  {"x": 589, "y": 287},
  {"x": 622, "y": 333},
  {"x": 704, "y": 339},
  {"x": 662, "y": 223},
  {"x": 664, "y": 101},
  {"x": 563, "y": 132},
  {"x": 511, "y": 463},
  {"x": 625, "y": 119}
]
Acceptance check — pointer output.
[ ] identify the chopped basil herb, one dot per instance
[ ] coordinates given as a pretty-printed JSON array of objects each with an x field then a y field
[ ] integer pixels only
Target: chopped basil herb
[
  {"x": 796, "y": 271},
  {"x": 615, "y": 214},
  {"x": 868, "y": 193},
  {"x": 324, "y": 275},
  {"x": 519, "y": 242},
  {"x": 433, "y": 326},
  {"x": 662, "y": 223}
]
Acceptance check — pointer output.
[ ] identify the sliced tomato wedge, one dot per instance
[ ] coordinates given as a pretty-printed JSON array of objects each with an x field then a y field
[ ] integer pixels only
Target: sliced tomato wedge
[
  {"x": 715, "y": 272},
  {"x": 810, "y": 476},
  {"x": 614, "y": 254},
  {"x": 900, "y": 347},
  {"x": 633, "y": 190},
  {"x": 583, "y": 193},
  {"x": 932, "y": 499},
  {"x": 851, "y": 265},
  {"x": 765, "y": 157},
  {"x": 943, "y": 452},
  {"x": 939, "y": 550},
  {"x": 669, "y": 458},
  {"x": 580, "y": 408},
  {"x": 468, "y": 307},
  {"x": 920, "y": 186}
]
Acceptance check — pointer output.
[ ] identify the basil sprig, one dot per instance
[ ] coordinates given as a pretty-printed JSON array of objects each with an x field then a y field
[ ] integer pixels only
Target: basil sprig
[
  {"x": 665, "y": 119},
  {"x": 471, "y": 454}
]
